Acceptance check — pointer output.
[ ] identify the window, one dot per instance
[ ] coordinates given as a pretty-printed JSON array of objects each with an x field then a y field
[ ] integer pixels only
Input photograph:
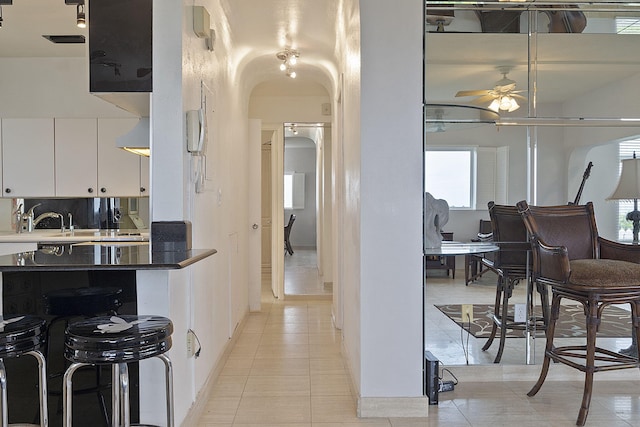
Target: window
[
  {"x": 627, "y": 25},
  {"x": 458, "y": 188},
  {"x": 625, "y": 151},
  {"x": 467, "y": 177},
  {"x": 293, "y": 190}
]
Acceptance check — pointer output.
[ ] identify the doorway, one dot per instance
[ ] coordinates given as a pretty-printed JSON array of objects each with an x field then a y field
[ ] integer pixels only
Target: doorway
[{"x": 305, "y": 193}]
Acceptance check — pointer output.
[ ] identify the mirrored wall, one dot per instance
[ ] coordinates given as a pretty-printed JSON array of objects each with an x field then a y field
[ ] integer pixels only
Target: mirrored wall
[{"x": 564, "y": 79}]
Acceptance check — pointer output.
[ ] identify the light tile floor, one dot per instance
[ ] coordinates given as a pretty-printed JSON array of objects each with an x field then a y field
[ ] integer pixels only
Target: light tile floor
[
  {"x": 286, "y": 370},
  {"x": 301, "y": 274}
]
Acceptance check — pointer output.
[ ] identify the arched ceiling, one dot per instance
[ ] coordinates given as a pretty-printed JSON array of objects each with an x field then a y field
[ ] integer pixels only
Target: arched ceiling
[{"x": 260, "y": 29}]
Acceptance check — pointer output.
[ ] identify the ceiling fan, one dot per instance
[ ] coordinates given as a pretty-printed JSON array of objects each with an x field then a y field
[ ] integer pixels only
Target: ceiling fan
[{"x": 503, "y": 96}]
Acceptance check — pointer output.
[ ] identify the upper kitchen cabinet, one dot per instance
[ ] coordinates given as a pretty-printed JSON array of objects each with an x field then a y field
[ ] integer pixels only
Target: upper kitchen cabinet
[
  {"x": 27, "y": 150},
  {"x": 118, "y": 170},
  {"x": 76, "y": 160},
  {"x": 120, "y": 66},
  {"x": 120, "y": 45}
]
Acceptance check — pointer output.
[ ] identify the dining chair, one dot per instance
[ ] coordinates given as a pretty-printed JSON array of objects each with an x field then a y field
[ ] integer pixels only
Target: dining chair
[
  {"x": 577, "y": 264},
  {"x": 473, "y": 266},
  {"x": 287, "y": 232},
  {"x": 511, "y": 264}
]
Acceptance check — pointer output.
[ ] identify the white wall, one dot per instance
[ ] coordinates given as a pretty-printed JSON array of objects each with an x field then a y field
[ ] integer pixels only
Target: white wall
[
  {"x": 617, "y": 100},
  {"x": 390, "y": 284},
  {"x": 213, "y": 296},
  {"x": 50, "y": 87}
]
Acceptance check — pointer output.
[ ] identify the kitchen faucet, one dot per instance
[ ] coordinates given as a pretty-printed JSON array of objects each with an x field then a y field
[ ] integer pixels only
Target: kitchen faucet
[
  {"x": 28, "y": 222},
  {"x": 26, "y": 219},
  {"x": 18, "y": 217},
  {"x": 49, "y": 215}
]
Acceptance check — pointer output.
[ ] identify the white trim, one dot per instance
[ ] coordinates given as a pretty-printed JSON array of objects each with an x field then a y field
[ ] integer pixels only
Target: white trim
[{"x": 384, "y": 407}]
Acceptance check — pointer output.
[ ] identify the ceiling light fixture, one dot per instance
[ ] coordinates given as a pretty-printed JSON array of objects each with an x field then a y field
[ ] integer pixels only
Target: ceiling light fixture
[
  {"x": 289, "y": 58},
  {"x": 504, "y": 103},
  {"x": 81, "y": 20}
]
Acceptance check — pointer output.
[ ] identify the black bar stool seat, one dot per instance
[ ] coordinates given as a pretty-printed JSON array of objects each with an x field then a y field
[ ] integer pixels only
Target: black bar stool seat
[
  {"x": 66, "y": 305},
  {"x": 116, "y": 341},
  {"x": 19, "y": 336}
]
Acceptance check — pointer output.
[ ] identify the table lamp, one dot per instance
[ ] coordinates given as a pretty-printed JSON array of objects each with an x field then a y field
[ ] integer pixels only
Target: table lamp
[{"x": 629, "y": 189}]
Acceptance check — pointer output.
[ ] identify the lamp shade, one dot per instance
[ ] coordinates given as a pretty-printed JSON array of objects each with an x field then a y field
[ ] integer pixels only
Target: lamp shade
[{"x": 629, "y": 184}]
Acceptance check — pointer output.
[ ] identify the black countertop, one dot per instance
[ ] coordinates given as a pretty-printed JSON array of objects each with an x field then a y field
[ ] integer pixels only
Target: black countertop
[{"x": 101, "y": 256}]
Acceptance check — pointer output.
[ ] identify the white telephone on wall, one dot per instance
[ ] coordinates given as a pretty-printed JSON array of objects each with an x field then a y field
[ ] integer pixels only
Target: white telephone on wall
[{"x": 196, "y": 131}]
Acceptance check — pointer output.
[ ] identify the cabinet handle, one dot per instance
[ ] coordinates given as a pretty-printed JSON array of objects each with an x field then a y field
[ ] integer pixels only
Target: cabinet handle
[
  {"x": 103, "y": 190},
  {"x": 142, "y": 189},
  {"x": 7, "y": 190},
  {"x": 89, "y": 190}
]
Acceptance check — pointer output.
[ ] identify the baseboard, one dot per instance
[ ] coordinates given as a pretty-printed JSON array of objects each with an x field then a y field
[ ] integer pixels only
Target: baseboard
[
  {"x": 306, "y": 297},
  {"x": 385, "y": 407},
  {"x": 199, "y": 406},
  {"x": 529, "y": 373}
]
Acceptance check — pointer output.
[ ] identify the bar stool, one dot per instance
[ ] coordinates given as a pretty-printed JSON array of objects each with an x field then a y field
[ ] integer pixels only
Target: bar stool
[
  {"x": 116, "y": 341},
  {"x": 70, "y": 304},
  {"x": 19, "y": 336}
]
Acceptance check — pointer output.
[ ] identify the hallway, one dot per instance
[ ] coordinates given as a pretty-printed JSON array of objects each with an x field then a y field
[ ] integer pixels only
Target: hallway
[
  {"x": 287, "y": 370},
  {"x": 301, "y": 275}
]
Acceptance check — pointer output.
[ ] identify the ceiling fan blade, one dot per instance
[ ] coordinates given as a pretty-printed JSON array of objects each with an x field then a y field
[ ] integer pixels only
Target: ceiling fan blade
[
  {"x": 518, "y": 97},
  {"x": 472, "y": 93},
  {"x": 483, "y": 100}
]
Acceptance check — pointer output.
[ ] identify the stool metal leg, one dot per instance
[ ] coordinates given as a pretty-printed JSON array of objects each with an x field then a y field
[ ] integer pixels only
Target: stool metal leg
[
  {"x": 42, "y": 387},
  {"x": 3, "y": 386},
  {"x": 67, "y": 392},
  {"x": 115, "y": 395},
  {"x": 124, "y": 390},
  {"x": 169, "y": 388}
]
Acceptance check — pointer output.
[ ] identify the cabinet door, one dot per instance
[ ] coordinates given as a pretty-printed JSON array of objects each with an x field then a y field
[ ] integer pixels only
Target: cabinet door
[
  {"x": 27, "y": 158},
  {"x": 76, "y": 148},
  {"x": 145, "y": 179},
  {"x": 118, "y": 170}
]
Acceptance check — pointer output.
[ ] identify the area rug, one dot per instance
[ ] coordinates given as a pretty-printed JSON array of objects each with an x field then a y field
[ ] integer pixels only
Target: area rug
[{"x": 616, "y": 322}]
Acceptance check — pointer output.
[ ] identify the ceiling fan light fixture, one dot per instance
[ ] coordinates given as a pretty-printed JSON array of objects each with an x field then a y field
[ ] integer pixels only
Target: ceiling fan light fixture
[
  {"x": 504, "y": 103},
  {"x": 513, "y": 105}
]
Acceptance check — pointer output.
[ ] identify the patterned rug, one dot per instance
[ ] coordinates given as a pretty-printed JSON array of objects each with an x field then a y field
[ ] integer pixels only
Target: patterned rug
[{"x": 616, "y": 322}]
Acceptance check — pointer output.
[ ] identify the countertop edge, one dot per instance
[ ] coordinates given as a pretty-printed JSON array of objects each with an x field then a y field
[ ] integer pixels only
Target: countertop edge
[{"x": 158, "y": 262}]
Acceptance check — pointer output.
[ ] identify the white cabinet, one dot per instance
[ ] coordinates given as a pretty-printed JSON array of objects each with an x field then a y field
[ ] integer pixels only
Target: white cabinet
[
  {"x": 70, "y": 158},
  {"x": 118, "y": 170},
  {"x": 76, "y": 157},
  {"x": 27, "y": 158}
]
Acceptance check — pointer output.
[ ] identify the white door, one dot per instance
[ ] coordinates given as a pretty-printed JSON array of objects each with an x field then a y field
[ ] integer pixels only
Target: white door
[
  {"x": 255, "y": 214},
  {"x": 277, "y": 212},
  {"x": 265, "y": 215}
]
